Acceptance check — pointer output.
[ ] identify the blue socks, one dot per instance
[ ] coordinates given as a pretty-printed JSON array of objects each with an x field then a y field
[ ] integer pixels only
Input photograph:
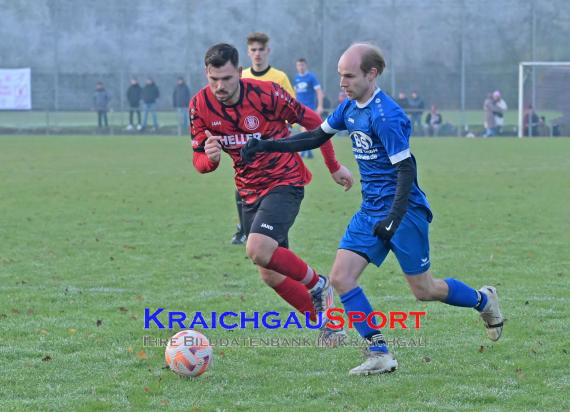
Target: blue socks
[
  {"x": 464, "y": 295},
  {"x": 460, "y": 294},
  {"x": 355, "y": 301}
]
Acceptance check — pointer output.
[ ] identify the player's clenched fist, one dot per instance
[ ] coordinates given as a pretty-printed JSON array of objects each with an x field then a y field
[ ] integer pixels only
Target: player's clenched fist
[{"x": 212, "y": 147}]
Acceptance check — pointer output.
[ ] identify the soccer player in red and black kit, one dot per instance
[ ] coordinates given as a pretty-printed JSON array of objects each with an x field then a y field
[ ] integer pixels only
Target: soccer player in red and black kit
[{"x": 224, "y": 115}]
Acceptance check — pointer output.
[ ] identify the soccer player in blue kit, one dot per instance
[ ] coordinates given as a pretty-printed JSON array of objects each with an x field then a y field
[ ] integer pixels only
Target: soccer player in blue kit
[{"x": 394, "y": 214}]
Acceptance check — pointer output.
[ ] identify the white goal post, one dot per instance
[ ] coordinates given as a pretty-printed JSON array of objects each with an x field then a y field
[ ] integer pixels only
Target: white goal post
[{"x": 522, "y": 67}]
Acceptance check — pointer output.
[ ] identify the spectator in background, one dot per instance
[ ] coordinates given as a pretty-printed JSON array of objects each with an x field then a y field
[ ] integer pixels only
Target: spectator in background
[
  {"x": 101, "y": 104},
  {"x": 416, "y": 109},
  {"x": 150, "y": 95},
  {"x": 433, "y": 121},
  {"x": 309, "y": 92},
  {"x": 543, "y": 129},
  {"x": 531, "y": 117},
  {"x": 403, "y": 102},
  {"x": 180, "y": 100},
  {"x": 489, "y": 122},
  {"x": 134, "y": 99},
  {"x": 499, "y": 109}
]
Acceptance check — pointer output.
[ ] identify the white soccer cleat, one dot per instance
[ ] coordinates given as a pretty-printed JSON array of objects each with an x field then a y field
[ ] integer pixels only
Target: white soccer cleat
[
  {"x": 323, "y": 297},
  {"x": 491, "y": 313},
  {"x": 376, "y": 362}
]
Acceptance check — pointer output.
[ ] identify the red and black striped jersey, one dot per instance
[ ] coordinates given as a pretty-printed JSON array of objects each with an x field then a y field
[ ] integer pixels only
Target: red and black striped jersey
[{"x": 263, "y": 111}]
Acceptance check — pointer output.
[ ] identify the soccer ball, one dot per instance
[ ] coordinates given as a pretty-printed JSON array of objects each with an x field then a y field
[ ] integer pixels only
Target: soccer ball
[{"x": 188, "y": 353}]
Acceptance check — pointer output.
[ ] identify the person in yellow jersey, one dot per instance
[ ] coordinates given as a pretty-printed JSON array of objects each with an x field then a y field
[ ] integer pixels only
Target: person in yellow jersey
[{"x": 258, "y": 51}]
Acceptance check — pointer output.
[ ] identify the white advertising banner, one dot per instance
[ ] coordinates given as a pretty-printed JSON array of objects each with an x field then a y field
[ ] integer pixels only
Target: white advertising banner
[{"x": 15, "y": 89}]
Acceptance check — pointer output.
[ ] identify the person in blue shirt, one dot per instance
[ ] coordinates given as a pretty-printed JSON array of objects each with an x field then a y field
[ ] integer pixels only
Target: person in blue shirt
[
  {"x": 395, "y": 213},
  {"x": 308, "y": 91}
]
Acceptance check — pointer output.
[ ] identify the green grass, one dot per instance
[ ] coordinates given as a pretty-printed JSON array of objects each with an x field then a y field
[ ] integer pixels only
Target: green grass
[
  {"x": 61, "y": 119},
  {"x": 99, "y": 228}
]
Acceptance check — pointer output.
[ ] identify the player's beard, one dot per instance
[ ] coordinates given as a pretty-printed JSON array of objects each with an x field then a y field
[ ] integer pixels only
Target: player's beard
[{"x": 226, "y": 97}]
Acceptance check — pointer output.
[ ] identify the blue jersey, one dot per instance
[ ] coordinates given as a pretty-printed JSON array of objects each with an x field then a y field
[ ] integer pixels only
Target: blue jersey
[
  {"x": 380, "y": 134},
  {"x": 305, "y": 88}
]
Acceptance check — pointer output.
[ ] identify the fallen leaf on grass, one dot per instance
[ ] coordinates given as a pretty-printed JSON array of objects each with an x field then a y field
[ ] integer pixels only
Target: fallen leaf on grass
[{"x": 142, "y": 355}]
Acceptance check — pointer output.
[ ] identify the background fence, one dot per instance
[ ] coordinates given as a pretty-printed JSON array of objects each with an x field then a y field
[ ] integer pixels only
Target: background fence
[{"x": 453, "y": 52}]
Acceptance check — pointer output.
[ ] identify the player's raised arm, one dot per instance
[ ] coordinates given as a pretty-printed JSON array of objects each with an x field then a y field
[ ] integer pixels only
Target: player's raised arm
[{"x": 299, "y": 142}]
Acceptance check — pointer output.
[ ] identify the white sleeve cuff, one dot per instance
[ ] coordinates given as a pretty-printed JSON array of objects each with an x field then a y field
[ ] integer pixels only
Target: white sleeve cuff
[
  {"x": 329, "y": 130},
  {"x": 398, "y": 157}
]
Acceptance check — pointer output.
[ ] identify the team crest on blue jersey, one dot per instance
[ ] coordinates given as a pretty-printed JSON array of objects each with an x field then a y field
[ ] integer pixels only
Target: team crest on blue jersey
[{"x": 361, "y": 140}]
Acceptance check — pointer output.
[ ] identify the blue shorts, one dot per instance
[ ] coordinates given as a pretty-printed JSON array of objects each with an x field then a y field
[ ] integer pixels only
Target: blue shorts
[{"x": 410, "y": 243}]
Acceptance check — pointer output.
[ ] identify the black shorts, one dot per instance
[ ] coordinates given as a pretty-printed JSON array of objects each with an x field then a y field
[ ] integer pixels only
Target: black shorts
[{"x": 274, "y": 214}]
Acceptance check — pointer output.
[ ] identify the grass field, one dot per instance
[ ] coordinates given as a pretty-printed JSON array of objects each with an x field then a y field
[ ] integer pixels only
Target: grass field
[{"x": 95, "y": 229}]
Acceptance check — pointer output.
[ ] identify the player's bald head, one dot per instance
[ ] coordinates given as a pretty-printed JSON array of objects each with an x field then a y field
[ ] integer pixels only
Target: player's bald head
[{"x": 366, "y": 55}]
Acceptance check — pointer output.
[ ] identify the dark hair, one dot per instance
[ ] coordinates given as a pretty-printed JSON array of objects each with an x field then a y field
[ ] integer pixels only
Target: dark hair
[
  {"x": 372, "y": 57},
  {"x": 219, "y": 54},
  {"x": 257, "y": 37},
  {"x": 301, "y": 60}
]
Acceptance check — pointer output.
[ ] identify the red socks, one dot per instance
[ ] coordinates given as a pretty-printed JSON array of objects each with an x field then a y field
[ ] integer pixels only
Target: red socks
[
  {"x": 289, "y": 264},
  {"x": 297, "y": 296}
]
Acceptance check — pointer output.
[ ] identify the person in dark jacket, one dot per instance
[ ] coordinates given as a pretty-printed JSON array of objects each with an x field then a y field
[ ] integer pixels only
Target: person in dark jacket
[
  {"x": 180, "y": 100},
  {"x": 134, "y": 99},
  {"x": 416, "y": 108},
  {"x": 101, "y": 104},
  {"x": 433, "y": 121},
  {"x": 150, "y": 95}
]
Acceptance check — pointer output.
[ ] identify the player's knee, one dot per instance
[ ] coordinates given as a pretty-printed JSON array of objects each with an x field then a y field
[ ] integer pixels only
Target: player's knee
[
  {"x": 258, "y": 254},
  {"x": 341, "y": 283}
]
